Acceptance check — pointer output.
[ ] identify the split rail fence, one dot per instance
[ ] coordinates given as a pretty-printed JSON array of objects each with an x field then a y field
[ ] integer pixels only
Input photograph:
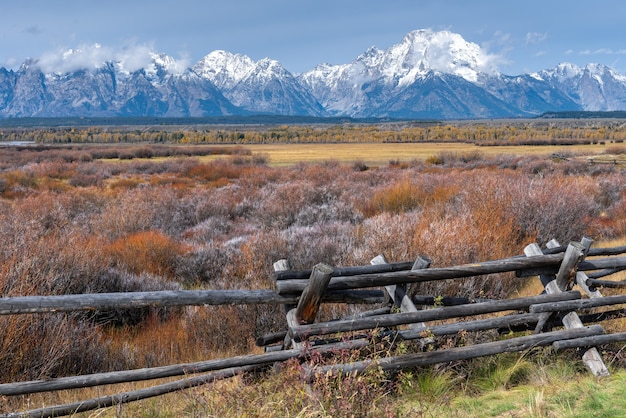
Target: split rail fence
[{"x": 564, "y": 316}]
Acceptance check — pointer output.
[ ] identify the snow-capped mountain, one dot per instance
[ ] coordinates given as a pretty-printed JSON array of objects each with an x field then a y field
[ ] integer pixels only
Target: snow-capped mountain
[
  {"x": 109, "y": 90},
  {"x": 262, "y": 87},
  {"x": 595, "y": 87},
  {"x": 427, "y": 74},
  {"x": 224, "y": 69}
]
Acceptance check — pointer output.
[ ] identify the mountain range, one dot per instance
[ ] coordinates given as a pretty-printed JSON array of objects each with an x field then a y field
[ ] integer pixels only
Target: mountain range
[{"x": 427, "y": 75}]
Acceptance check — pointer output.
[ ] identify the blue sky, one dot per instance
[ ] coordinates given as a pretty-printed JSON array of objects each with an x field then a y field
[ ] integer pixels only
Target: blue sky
[{"x": 527, "y": 35}]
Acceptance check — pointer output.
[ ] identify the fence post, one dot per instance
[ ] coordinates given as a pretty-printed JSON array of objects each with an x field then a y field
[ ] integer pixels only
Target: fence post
[
  {"x": 284, "y": 265},
  {"x": 581, "y": 277},
  {"x": 309, "y": 302},
  {"x": 307, "y": 309},
  {"x": 574, "y": 254},
  {"x": 397, "y": 292}
]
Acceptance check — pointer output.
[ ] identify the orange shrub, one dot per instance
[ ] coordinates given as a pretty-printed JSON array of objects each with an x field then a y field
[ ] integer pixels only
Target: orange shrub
[
  {"x": 125, "y": 183},
  {"x": 215, "y": 170},
  {"x": 410, "y": 194},
  {"x": 149, "y": 252}
]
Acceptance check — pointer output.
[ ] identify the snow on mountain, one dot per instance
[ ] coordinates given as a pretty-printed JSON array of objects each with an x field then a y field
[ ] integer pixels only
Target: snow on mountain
[
  {"x": 595, "y": 87},
  {"x": 428, "y": 74},
  {"x": 445, "y": 52},
  {"x": 350, "y": 89},
  {"x": 109, "y": 89},
  {"x": 263, "y": 87},
  {"x": 223, "y": 68}
]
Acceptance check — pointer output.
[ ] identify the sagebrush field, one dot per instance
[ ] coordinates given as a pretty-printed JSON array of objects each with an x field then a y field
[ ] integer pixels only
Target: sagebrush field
[{"x": 108, "y": 218}]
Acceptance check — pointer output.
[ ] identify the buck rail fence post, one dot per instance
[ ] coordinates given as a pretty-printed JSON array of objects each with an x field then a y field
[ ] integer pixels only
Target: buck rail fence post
[
  {"x": 581, "y": 277},
  {"x": 397, "y": 292},
  {"x": 309, "y": 302},
  {"x": 284, "y": 265},
  {"x": 308, "y": 306},
  {"x": 563, "y": 281}
]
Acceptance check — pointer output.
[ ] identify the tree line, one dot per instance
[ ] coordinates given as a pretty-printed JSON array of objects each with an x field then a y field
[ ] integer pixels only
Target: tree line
[{"x": 529, "y": 133}]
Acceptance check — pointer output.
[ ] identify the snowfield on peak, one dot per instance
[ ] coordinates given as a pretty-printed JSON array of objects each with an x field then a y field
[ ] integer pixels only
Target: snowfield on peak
[{"x": 223, "y": 68}]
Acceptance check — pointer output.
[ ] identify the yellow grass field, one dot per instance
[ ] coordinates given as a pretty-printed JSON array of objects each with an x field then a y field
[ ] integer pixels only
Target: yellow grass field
[{"x": 380, "y": 154}]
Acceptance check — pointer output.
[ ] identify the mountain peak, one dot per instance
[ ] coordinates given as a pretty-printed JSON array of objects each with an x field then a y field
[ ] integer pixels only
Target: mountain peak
[
  {"x": 444, "y": 51},
  {"x": 223, "y": 68}
]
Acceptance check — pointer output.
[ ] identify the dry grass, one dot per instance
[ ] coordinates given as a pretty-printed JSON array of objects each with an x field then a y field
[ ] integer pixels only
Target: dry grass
[{"x": 381, "y": 154}]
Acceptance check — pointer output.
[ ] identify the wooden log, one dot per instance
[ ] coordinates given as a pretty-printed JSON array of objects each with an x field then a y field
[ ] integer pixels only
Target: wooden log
[
  {"x": 533, "y": 250},
  {"x": 416, "y": 276},
  {"x": 355, "y": 297},
  {"x": 346, "y": 271},
  {"x": 271, "y": 338},
  {"x": 275, "y": 337},
  {"x": 280, "y": 266},
  {"x": 458, "y": 353},
  {"x": 375, "y": 312},
  {"x": 470, "y": 326},
  {"x": 309, "y": 302},
  {"x": 590, "y": 341},
  {"x": 591, "y": 291},
  {"x": 311, "y": 297},
  {"x": 581, "y": 277},
  {"x": 405, "y": 266},
  {"x": 588, "y": 318},
  {"x": 592, "y": 252},
  {"x": 131, "y": 300},
  {"x": 397, "y": 292},
  {"x": 325, "y": 328},
  {"x": 595, "y": 283},
  {"x": 126, "y": 397},
  {"x": 567, "y": 271},
  {"x": 445, "y": 300},
  {"x": 604, "y": 273},
  {"x": 575, "y": 305},
  {"x": 586, "y": 265},
  {"x": 607, "y": 251},
  {"x": 125, "y": 376}
]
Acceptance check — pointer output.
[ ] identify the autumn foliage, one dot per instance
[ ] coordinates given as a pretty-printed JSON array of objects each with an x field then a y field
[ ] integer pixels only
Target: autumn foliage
[{"x": 74, "y": 221}]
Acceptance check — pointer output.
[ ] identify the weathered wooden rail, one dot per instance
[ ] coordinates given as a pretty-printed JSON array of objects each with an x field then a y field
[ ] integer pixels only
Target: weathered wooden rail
[
  {"x": 560, "y": 268},
  {"x": 132, "y": 300}
]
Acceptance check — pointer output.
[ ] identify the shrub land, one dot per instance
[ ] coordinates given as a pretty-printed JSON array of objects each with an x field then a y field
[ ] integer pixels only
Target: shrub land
[{"x": 84, "y": 219}]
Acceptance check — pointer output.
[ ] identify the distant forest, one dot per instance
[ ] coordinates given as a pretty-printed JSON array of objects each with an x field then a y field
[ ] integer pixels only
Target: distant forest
[
  {"x": 34, "y": 122},
  {"x": 575, "y": 114},
  {"x": 182, "y": 121}
]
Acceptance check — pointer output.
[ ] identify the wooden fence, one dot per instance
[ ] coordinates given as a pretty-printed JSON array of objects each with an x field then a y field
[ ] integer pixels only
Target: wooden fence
[{"x": 561, "y": 317}]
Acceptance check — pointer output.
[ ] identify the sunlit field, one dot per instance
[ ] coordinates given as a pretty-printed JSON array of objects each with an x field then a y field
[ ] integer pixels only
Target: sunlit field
[{"x": 381, "y": 154}]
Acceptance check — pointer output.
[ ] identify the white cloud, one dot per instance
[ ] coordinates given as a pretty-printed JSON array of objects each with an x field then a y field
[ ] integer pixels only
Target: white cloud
[
  {"x": 533, "y": 38},
  {"x": 448, "y": 51},
  {"x": 602, "y": 51},
  {"x": 130, "y": 58},
  {"x": 83, "y": 57}
]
